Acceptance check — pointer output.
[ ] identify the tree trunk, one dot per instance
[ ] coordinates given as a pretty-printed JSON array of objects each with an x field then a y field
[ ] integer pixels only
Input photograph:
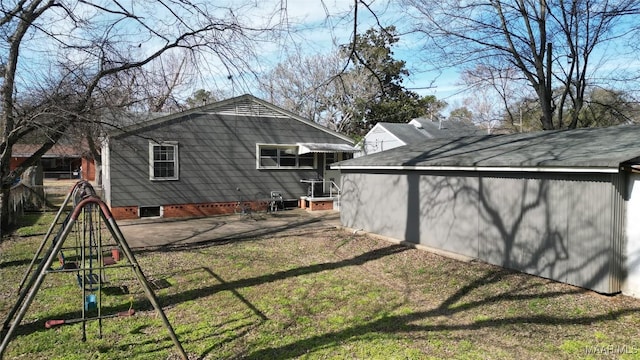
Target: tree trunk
[
  {"x": 577, "y": 108},
  {"x": 547, "y": 108}
]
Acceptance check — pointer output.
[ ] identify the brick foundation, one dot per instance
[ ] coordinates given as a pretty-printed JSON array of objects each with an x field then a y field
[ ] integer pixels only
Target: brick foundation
[
  {"x": 312, "y": 205},
  {"x": 125, "y": 212},
  {"x": 191, "y": 210},
  {"x": 321, "y": 205}
]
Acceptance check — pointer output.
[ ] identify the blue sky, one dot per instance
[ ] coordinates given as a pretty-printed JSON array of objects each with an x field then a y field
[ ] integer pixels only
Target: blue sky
[
  {"x": 318, "y": 26},
  {"x": 324, "y": 31},
  {"x": 608, "y": 58}
]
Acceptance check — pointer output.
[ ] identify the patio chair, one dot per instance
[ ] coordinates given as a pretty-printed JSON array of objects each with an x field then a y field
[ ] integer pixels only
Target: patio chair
[{"x": 276, "y": 201}]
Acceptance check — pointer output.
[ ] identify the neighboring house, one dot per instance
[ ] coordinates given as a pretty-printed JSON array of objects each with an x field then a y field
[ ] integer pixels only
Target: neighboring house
[
  {"x": 60, "y": 162},
  {"x": 385, "y": 136},
  {"x": 559, "y": 204},
  {"x": 218, "y": 158}
]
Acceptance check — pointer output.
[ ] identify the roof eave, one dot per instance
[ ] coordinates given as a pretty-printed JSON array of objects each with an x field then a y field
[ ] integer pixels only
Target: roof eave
[{"x": 537, "y": 169}]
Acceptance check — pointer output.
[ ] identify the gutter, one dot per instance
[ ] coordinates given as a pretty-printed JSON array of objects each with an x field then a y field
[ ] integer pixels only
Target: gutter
[{"x": 606, "y": 170}]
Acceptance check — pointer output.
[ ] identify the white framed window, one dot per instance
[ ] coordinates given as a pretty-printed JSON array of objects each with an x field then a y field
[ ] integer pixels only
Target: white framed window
[
  {"x": 163, "y": 160},
  {"x": 277, "y": 156}
]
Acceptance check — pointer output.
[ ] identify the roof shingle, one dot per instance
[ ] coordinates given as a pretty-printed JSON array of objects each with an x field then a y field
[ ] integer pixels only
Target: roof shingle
[{"x": 594, "y": 147}]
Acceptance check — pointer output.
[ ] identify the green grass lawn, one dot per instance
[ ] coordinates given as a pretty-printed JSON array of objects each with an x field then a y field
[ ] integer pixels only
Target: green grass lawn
[{"x": 319, "y": 294}]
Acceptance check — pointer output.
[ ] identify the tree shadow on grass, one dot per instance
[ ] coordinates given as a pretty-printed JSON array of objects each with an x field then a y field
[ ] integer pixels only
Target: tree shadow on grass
[
  {"x": 233, "y": 286},
  {"x": 456, "y": 303},
  {"x": 12, "y": 263},
  {"x": 409, "y": 323}
]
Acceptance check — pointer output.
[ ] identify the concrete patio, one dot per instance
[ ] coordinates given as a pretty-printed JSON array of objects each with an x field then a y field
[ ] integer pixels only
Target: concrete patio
[{"x": 160, "y": 233}]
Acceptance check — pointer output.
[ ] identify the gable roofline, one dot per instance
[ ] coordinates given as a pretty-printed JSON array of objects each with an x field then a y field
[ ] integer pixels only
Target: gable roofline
[
  {"x": 381, "y": 125},
  {"x": 222, "y": 107},
  {"x": 389, "y": 131}
]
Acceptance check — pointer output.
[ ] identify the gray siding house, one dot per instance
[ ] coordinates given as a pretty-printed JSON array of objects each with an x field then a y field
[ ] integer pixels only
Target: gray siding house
[
  {"x": 563, "y": 205},
  {"x": 215, "y": 158}
]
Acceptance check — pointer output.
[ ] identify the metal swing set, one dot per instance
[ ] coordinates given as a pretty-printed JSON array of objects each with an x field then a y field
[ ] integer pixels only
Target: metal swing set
[{"x": 85, "y": 222}]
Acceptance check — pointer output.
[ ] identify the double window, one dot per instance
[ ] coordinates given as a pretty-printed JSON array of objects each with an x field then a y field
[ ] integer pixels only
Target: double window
[
  {"x": 283, "y": 157},
  {"x": 163, "y": 160}
]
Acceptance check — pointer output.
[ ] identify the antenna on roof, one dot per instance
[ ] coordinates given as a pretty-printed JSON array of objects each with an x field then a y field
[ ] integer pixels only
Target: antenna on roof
[{"x": 233, "y": 92}]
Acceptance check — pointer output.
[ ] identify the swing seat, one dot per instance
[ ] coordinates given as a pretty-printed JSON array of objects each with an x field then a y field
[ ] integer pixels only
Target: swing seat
[
  {"x": 90, "y": 302},
  {"x": 69, "y": 266},
  {"x": 89, "y": 280}
]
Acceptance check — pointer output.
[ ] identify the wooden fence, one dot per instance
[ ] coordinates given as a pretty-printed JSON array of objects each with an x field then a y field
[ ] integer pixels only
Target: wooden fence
[{"x": 24, "y": 198}]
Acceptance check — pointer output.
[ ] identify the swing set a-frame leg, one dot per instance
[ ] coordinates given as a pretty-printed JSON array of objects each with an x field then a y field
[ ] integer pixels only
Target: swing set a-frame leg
[
  {"x": 117, "y": 235},
  {"x": 82, "y": 185},
  {"x": 33, "y": 288},
  {"x": 120, "y": 240},
  {"x": 22, "y": 289}
]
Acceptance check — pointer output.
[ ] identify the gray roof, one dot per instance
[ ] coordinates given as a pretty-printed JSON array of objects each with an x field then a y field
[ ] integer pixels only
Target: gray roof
[
  {"x": 405, "y": 132},
  {"x": 410, "y": 134},
  {"x": 448, "y": 128},
  {"x": 604, "y": 148},
  {"x": 245, "y": 105}
]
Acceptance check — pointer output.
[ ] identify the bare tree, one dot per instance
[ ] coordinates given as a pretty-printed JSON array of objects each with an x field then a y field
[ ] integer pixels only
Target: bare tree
[
  {"x": 351, "y": 89},
  {"x": 166, "y": 77},
  {"x": 490, "y": 86},
  {"x": 523, "y": 116},
  {"x": 552, "y": 44},
  {"x": 302, "y": 84},
  {"x": 59, "y": 57},
  {"x": 608, "y": 107},
  {"x": 151, "y": 88}
]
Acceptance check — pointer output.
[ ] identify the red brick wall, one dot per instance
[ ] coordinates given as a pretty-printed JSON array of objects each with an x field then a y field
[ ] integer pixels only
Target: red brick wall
[
  {"x": 189, "y": 210},
  {"x": 88, "y": 169},
  {"x": 125, "y": 212},
  {"x": 15, "y": 162},
  {"x": 315, "y": 205},
  {"x": 321, "y": 205}
]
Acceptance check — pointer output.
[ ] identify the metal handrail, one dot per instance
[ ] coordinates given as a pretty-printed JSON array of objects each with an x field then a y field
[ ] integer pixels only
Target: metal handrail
[
  {"x": 313, "y": 183},
  {"x": 331, "y": 188}
]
